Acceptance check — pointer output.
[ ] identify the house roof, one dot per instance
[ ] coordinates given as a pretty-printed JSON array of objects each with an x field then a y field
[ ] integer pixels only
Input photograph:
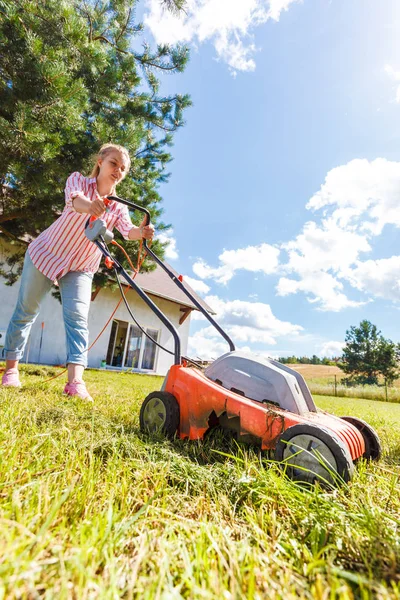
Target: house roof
[{"x": 158, "y": 283}]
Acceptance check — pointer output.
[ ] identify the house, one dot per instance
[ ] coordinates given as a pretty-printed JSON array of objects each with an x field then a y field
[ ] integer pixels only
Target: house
[{"x": 122, "y": 345}]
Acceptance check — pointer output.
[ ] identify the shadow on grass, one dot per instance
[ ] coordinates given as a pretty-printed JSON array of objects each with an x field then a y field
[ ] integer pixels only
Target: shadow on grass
[
  {"x": 393, "y": 456},
  {"x": 219, "y": 445},
  {"x": 40, "y": 370}
]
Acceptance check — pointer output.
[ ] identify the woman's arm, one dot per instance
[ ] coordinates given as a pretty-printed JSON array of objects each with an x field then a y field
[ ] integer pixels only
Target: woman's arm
[{"x": 82, "y": 204}]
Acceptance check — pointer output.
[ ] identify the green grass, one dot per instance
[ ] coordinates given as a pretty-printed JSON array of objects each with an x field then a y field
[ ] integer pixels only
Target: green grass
[{"x": 91, "y": 508}]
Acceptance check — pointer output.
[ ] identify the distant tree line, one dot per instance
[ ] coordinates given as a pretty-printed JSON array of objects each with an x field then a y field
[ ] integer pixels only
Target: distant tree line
[{"x": 306, "y": 360}]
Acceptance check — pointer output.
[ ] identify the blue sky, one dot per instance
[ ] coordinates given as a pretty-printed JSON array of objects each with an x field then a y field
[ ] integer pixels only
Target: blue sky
[{"x": 285, "y": 185}]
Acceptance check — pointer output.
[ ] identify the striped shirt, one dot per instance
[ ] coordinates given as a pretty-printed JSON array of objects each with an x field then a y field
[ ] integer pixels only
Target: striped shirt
[{"x": 63, "y": 247}]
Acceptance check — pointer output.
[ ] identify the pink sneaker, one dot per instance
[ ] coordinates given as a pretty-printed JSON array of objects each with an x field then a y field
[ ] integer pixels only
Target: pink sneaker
[
  {"x": 11, "y": 378},
  {"x": 78, "y": 388}
]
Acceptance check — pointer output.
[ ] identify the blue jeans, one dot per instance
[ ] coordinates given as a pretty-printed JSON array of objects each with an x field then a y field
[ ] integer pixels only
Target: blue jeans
[{"x": 75, "y": 288}]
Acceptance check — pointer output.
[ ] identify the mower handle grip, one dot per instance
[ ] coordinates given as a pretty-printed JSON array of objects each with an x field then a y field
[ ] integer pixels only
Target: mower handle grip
[{"x": 106, "y": 201}]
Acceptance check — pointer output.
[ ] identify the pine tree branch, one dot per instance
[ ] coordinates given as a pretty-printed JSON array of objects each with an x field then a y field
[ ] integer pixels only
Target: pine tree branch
[
  {"x": 104, "y": 39},
  {"x": 151, "y": 148},
  {"x": 151, "y": 63},
  {"x": 12, "y": 216},
  {"x": 175, "y": 6},
  {"x": 163, "y": 127},
  {"x": 89, "y": 17},
  {"x": 162, "y": 100},
  {"x": 11, "y": 236},
  {"x": 38, "y": 107},
  {"x": 124, "y": 28}
]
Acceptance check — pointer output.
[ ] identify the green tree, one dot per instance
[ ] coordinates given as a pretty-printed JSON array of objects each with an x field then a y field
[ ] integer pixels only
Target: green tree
[
  {"x": 304, "y": 360},
  {"x": 315, "y": 360},
  {"x": 368, "y": 355},
  {"x": 327, "y": 361},
  {"x": 74, "y": 75},
  {"x": 292, "y": 360}
]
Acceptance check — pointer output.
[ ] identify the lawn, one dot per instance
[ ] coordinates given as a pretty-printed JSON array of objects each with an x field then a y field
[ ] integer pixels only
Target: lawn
[{"x": 91, "y": 508}]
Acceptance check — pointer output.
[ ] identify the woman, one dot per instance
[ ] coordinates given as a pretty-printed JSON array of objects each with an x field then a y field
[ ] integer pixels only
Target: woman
[{"x": 62, "y": 253}]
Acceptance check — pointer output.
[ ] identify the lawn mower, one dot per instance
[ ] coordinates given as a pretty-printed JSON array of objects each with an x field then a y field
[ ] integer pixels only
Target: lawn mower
[{"x": 259, "y": 399}]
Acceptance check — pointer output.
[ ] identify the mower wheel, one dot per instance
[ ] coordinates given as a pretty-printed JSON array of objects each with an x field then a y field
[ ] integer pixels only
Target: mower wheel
[
  {"x": 373, "y": 449},
  {"x": 310, "y": 453},
  {"x": 160, "y": 412}
]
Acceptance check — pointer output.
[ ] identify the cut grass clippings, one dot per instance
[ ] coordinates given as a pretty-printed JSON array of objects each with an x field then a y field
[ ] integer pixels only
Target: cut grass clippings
[{"x": 92, "y": 508}]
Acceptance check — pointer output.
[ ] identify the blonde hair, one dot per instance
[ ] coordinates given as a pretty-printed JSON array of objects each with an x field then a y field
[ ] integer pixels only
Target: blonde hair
[{"x": 104, "y": 151}]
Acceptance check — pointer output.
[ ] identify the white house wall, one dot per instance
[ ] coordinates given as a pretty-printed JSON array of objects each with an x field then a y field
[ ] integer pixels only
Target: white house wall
[
  {"x": 53, "y": 350},
  {"x": 53, "y": 339}
]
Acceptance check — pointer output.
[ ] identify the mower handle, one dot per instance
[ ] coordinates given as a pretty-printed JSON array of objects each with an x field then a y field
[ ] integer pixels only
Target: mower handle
[
  {"x": 134, "y": 207},
  {"x": 172, "y": 275}
]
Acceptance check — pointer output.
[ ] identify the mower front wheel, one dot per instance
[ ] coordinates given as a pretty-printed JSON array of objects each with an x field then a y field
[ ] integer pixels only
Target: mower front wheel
[
  {"x": 310, "y": 453},
  {"x": 373, "y": 449},
  {"x": 160, "y": 412}
]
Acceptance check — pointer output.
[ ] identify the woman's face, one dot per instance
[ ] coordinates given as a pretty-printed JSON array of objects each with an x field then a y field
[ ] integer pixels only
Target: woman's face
[{"x": 113, "y": 167}]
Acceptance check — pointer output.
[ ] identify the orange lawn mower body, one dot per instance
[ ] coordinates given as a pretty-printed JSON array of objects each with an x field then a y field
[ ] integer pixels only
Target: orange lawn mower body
[
  {"x": 261, "y": 400},
  {"x": 308, "y": 443}
]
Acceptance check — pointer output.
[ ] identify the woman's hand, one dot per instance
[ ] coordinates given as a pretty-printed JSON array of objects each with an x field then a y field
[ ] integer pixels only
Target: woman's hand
[
  {"x": 97, "y": 207},
  {"x": 143, "y": 231},
  {"x": 146, "y": 231},
  {"x": 82, "y": 204}
]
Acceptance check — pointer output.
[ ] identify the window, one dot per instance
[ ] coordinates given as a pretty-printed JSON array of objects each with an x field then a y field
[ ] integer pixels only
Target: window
[
  {"x": 149, "y": 354},
  {"x": 128, "y": 347}
]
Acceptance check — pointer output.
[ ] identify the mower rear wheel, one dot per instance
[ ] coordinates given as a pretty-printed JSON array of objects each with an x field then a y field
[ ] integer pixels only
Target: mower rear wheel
[
  {"x": 160, "y": 412},
  {"x": 373, "y": 449},
  {"x": 309, "y": 453}
]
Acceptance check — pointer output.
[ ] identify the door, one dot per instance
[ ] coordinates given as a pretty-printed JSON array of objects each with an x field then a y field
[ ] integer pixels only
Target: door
[{"x": 117, "y": 343}]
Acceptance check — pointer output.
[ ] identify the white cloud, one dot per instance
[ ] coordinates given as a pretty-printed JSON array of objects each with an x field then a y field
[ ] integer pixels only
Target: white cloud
[
  {"x": 318, "y": 257},
  {"x": 254, "y": 315},
  {"x": 262, "y": 258},
  {"x": 245, "y": 322},
  {"x": 325, "y": 247},
  {"x": 171, "y": 251},
  {"x": 394, "y": 76},
  {"x": 207, "y": 347},
  {"x": 321, "y": 288},
  {"x": 357, "y": 199},
  {"x": 198, "y": 286},
  {"x": 278, "y": 6},
  {"x": 331, "y": 348},
  {"x": 363, "y": 195},
  {"x": 228, "y": 24},
  {"x": 378, "y": 277}
]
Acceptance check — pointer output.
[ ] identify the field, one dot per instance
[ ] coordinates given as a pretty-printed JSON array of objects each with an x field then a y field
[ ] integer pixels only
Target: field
[
  {"x": 321, "y": 380},
  {"x": 319, "y": 373},
  {"x": 91, "y": 508}
]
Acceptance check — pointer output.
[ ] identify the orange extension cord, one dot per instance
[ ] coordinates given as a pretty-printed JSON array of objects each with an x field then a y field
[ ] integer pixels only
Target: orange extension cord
[{"x": 141, "y": 257}]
